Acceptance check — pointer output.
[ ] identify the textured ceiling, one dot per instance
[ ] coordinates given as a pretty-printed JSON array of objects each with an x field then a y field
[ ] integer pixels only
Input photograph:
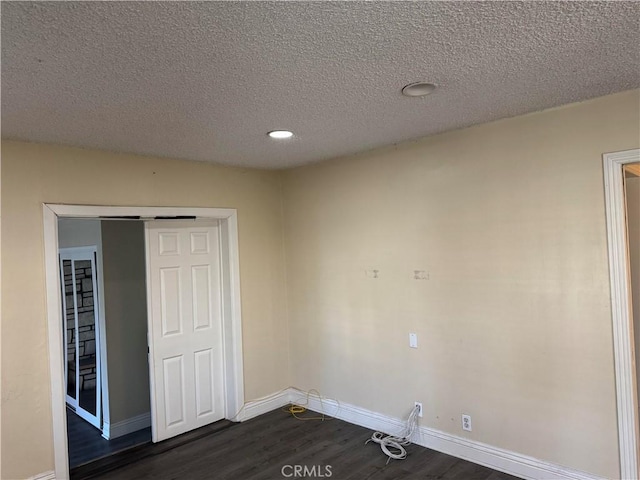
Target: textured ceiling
[{"x": 206, "y": 80}]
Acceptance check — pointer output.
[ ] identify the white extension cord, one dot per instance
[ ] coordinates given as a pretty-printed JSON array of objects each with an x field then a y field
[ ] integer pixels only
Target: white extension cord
[{"x": 393, "y": 445}]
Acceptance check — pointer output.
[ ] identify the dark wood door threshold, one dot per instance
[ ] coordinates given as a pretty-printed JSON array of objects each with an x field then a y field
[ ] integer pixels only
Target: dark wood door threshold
[{"x": 138, "y": 452}]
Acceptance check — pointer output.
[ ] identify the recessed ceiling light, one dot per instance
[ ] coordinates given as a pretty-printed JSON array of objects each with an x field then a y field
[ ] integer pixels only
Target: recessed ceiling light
[
  {"x": 280, "y": 134},
  {"x": 418, "y": 89}
]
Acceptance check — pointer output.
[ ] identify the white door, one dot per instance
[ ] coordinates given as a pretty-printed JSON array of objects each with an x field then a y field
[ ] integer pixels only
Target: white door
[{"x": 185, "y": 325}]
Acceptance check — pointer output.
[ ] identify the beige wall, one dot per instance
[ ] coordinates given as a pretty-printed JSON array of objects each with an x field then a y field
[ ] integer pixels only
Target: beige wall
[
  {"x": 125, "y": 293},
  {"x": 33, "y": 174},
  {"x": 632, "y": 190},
  {"x": 514, "y": 323}
]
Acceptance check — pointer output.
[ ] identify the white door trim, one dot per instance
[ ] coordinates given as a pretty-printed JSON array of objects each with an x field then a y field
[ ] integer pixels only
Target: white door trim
[
  {"x": 232, "y": 325},
  {"x": 621, "y": 310}
]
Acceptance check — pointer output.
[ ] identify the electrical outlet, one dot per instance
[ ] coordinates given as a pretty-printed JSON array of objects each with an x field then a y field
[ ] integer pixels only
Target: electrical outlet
[
  {"x": 419, "y": 405},
  {"x": 466, "y": 422}
]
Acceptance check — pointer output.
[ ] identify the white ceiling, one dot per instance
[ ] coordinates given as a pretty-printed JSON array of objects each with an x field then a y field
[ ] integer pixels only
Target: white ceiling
[{"x": 207, "y": 80}]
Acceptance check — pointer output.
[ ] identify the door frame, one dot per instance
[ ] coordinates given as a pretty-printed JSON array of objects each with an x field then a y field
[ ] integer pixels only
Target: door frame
[
  {"x": 231, "y": 311},
  {"x": 623, "y": 342}
]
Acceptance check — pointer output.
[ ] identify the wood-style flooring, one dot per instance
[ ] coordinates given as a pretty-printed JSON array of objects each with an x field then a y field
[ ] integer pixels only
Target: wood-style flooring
[
  {"x": 259, "y": 449},
  {"x": 86, "y": 443}
]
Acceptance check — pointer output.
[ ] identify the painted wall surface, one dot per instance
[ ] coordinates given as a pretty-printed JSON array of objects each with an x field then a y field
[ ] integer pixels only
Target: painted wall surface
[
  {"x": 514, "y": 322},
  {"x": 79, "y": 232},
  {"x": 123, "y": 253},
  {"x": 33, "y": 174},
  {"x": 632, "y": 190}
]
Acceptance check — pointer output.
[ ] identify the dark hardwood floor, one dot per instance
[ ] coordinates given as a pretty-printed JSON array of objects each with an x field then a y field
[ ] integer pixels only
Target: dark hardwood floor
[
  {"x": 259, "y": 449},
  {"x": 86, "y": 443}
]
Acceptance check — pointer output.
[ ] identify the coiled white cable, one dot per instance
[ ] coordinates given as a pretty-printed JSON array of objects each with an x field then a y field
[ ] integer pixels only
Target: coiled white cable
[{"x": 393, "y": 445}]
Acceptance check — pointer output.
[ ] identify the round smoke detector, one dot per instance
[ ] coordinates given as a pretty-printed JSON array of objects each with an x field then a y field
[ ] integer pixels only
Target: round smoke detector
[{"x": 418, "y": 89}]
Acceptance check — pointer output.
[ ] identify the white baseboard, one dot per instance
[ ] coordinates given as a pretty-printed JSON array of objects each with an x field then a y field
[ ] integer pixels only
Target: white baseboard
[
  {"x": 493, "y": 457},
  {"x": 498, "y": 458},
  {"x": 262, "y": 405},
  {"x": 51, "y": 475},
  {"x": 130, "y": 425}
]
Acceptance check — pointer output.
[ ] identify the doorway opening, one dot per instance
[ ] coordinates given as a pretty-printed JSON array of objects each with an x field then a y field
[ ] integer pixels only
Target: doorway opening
[
  {"x": 226, "y": 235},
  {"x": 632, "y": 203},
  {"x": 621, "y": 309},
  {"x": 103, "y": 292}
]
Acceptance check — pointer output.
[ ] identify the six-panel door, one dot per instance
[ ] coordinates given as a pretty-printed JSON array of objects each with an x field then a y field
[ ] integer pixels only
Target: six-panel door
[{"x": 185, "y": 325}]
